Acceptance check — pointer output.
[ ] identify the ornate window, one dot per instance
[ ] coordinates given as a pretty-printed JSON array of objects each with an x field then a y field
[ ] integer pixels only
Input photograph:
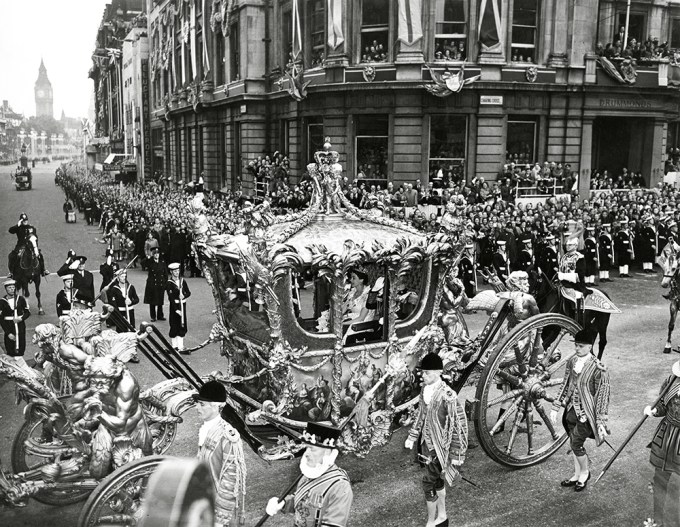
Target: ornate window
[
  {"x": 450, "y": 30},
  {"x": 448, "y": 141},
  {"x": 372, "y": 142},
  {"x": 524, "y": 35},
  {"x": 375, "y": 30}
]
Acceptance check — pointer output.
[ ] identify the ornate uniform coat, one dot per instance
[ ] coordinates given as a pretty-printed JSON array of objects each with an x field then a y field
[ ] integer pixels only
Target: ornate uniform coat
[
  {"x": 606, "y": 251},
  {"x": 117, "y": 296},
  {"x": 322, "y": 502},
  {"x": 17, "y": 347},
  {"x": 155, "y": 282},
  {"x": 222, "y": 450},
  {"x": 178, "y": 307},
  {"x": 574, "y": 262},
  {"x": 665, "y": 446},
  {"x": 442, "y": 426},
  {"x": 590, "y": 254},
  {"x": 587, "y": 392}
]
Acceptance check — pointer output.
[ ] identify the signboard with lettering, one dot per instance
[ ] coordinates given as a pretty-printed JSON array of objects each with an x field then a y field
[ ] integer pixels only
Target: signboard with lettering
[
  {"x": 491, "y": 99},
  {"x": 615, "y": 103},
  {"x": 146, "y": 121}
]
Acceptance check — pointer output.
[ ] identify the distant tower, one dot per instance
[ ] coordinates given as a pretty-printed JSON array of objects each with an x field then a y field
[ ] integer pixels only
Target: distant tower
[{"x": 43, "y": 93}]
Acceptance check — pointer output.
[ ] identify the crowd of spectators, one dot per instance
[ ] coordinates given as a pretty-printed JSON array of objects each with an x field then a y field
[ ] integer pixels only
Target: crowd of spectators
[
  {"x": 155, "y": 214},
  {"x": 449, "y": 50},
  {"x": 645, "y": 51},
  {"x": 374, "y": 52},
  {"x": 604, "y": 180}
]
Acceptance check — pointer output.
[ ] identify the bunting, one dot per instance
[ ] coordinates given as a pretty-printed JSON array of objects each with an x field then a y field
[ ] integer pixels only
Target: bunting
[
  {"x": 410, "y": 27},
  {"x": 335, "y": 36},
  {"x": 206, "y": 57},
  {"x": 489, "y": 25}
]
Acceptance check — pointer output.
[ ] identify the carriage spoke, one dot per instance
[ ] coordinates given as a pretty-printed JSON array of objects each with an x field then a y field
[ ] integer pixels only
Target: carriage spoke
[
  {"x": 504, "y": 417},
  {"x": 553, "y": 346},
  {"x": 509, "y": 378},
  {"x": 536, "y": 347},
  {"x": 505, "y": 397},
  {"x": 530, "y": 428},
  {"x": 515, "y": 429},
  {"x": 555, "y": 367},
  {"x": 541, "y": 411}
]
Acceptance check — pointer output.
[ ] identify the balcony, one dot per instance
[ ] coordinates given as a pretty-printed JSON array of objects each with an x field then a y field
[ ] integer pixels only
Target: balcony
[{"x": 653, "y": 73}]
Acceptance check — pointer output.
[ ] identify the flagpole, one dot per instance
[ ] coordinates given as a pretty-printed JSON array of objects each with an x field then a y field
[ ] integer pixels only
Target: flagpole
[{"x": 624, "y": 45}]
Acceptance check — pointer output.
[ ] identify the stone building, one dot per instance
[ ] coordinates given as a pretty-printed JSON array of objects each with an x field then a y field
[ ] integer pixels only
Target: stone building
[
  {"x": 44, "y": 98},
  {"x": 235, "y": 79},
  {"x": 118, "y": 19}
]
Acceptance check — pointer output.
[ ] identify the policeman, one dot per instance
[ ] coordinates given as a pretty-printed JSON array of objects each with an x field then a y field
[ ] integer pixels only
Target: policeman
[
  {"x": 65, "y": 296},
  {"x": 13, "y": 314},
  {"x": 606, "y": 252},
  {"x": 623, "y": 245},
  {"x": 500, "y": 261},
  {"x": 178, "y": 292},
  {"x": 83, "y": 280},
  {"x": 590, "y": 254},
  {"x": 22, "y": 231},
  {"x": 467, "y": 270}
]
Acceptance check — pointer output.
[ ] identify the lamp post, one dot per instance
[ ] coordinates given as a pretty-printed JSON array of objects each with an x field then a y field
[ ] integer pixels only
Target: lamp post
[
  {"x": 43, "y": 138},
  {"x": 22, "y": 135}
]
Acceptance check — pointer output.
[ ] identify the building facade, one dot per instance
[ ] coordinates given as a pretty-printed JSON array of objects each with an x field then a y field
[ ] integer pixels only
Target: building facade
[
  {"x": 232, "y": 80},
  {"x": 119, "y": 17},
  {"x": 44, "y": 103},
  {"x": 137, "y": 128}
]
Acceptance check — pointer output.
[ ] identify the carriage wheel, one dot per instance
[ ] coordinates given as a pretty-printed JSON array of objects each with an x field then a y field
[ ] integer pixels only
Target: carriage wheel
[
  {"x": 24, "y": 460},
  {"x": 180, "y": 493},
  {"x": 519, "y": 382},
  {"x": 117, "y": 500}
]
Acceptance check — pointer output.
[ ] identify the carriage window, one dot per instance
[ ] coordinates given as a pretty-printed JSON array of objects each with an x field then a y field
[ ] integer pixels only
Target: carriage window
[
  {"x": 311, "y": 301},
  {"x": 363, "y": 306}
]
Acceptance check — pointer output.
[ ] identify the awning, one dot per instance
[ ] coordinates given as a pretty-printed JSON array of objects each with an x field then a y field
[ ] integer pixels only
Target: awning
[{"x": 111, "y": 158}]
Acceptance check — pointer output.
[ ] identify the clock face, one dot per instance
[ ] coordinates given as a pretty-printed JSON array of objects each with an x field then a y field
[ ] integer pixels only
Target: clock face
[{"x": 41, "y": 93}]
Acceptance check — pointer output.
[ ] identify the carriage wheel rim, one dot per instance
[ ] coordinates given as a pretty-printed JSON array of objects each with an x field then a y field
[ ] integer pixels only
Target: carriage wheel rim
[{"x": 526, "y": 397}]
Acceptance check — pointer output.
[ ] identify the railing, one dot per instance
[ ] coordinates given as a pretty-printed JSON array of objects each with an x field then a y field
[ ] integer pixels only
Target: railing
[{"x": 533, "y": 191}]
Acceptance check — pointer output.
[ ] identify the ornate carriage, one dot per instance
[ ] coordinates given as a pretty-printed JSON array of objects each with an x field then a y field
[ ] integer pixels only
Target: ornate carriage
[{"x": 297, "y": 351}]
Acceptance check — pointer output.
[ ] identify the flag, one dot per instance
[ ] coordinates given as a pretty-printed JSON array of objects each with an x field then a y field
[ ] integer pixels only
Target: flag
[
  {"x": 192, "y": 36},
  {"x": 489, "y": 25},
  {"x": 297, "y": 34},
  {"x": 206, "y": 58},
  {"x": 410, "y": 21},
  {"x": 335, "y": 36}
]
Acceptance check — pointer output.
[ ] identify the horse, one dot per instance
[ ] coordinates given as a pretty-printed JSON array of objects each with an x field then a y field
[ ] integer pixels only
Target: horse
[
  {"x": 29, "y": 267},
  {"x": 668, "y": 260},
  {"x": 550, "y": 299}
]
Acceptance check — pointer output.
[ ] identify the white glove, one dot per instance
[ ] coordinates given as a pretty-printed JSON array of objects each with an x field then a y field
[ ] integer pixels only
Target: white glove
[
  {"x": 74, "y": 265},
  {"x": 602, "y": 431},
  {"x": 408, "y": 444},
  {"x": 274, "y": 506},
  {"x": 553, "y": 416},
  {"x": 649, "y": 411}
]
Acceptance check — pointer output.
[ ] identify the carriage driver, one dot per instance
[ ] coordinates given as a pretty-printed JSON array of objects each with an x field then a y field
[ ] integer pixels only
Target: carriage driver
[{"x": 13, "y": 314}]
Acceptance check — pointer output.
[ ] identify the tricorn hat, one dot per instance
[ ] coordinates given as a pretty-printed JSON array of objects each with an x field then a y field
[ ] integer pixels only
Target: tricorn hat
[
  {"x": 211, "y": 391},
  {"x": 432, "y": 362},
  {"x": 321, "y": 435}
]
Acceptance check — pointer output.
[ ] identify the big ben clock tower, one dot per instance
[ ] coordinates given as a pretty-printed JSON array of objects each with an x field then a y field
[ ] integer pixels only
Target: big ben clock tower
[{"x": 43, "y": 93}]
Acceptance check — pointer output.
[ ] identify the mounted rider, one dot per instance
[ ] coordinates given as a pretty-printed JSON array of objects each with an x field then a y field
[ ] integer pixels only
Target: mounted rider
[
  {"x": 26, "y": 234},
  {"x": 571, "y": 276}
]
